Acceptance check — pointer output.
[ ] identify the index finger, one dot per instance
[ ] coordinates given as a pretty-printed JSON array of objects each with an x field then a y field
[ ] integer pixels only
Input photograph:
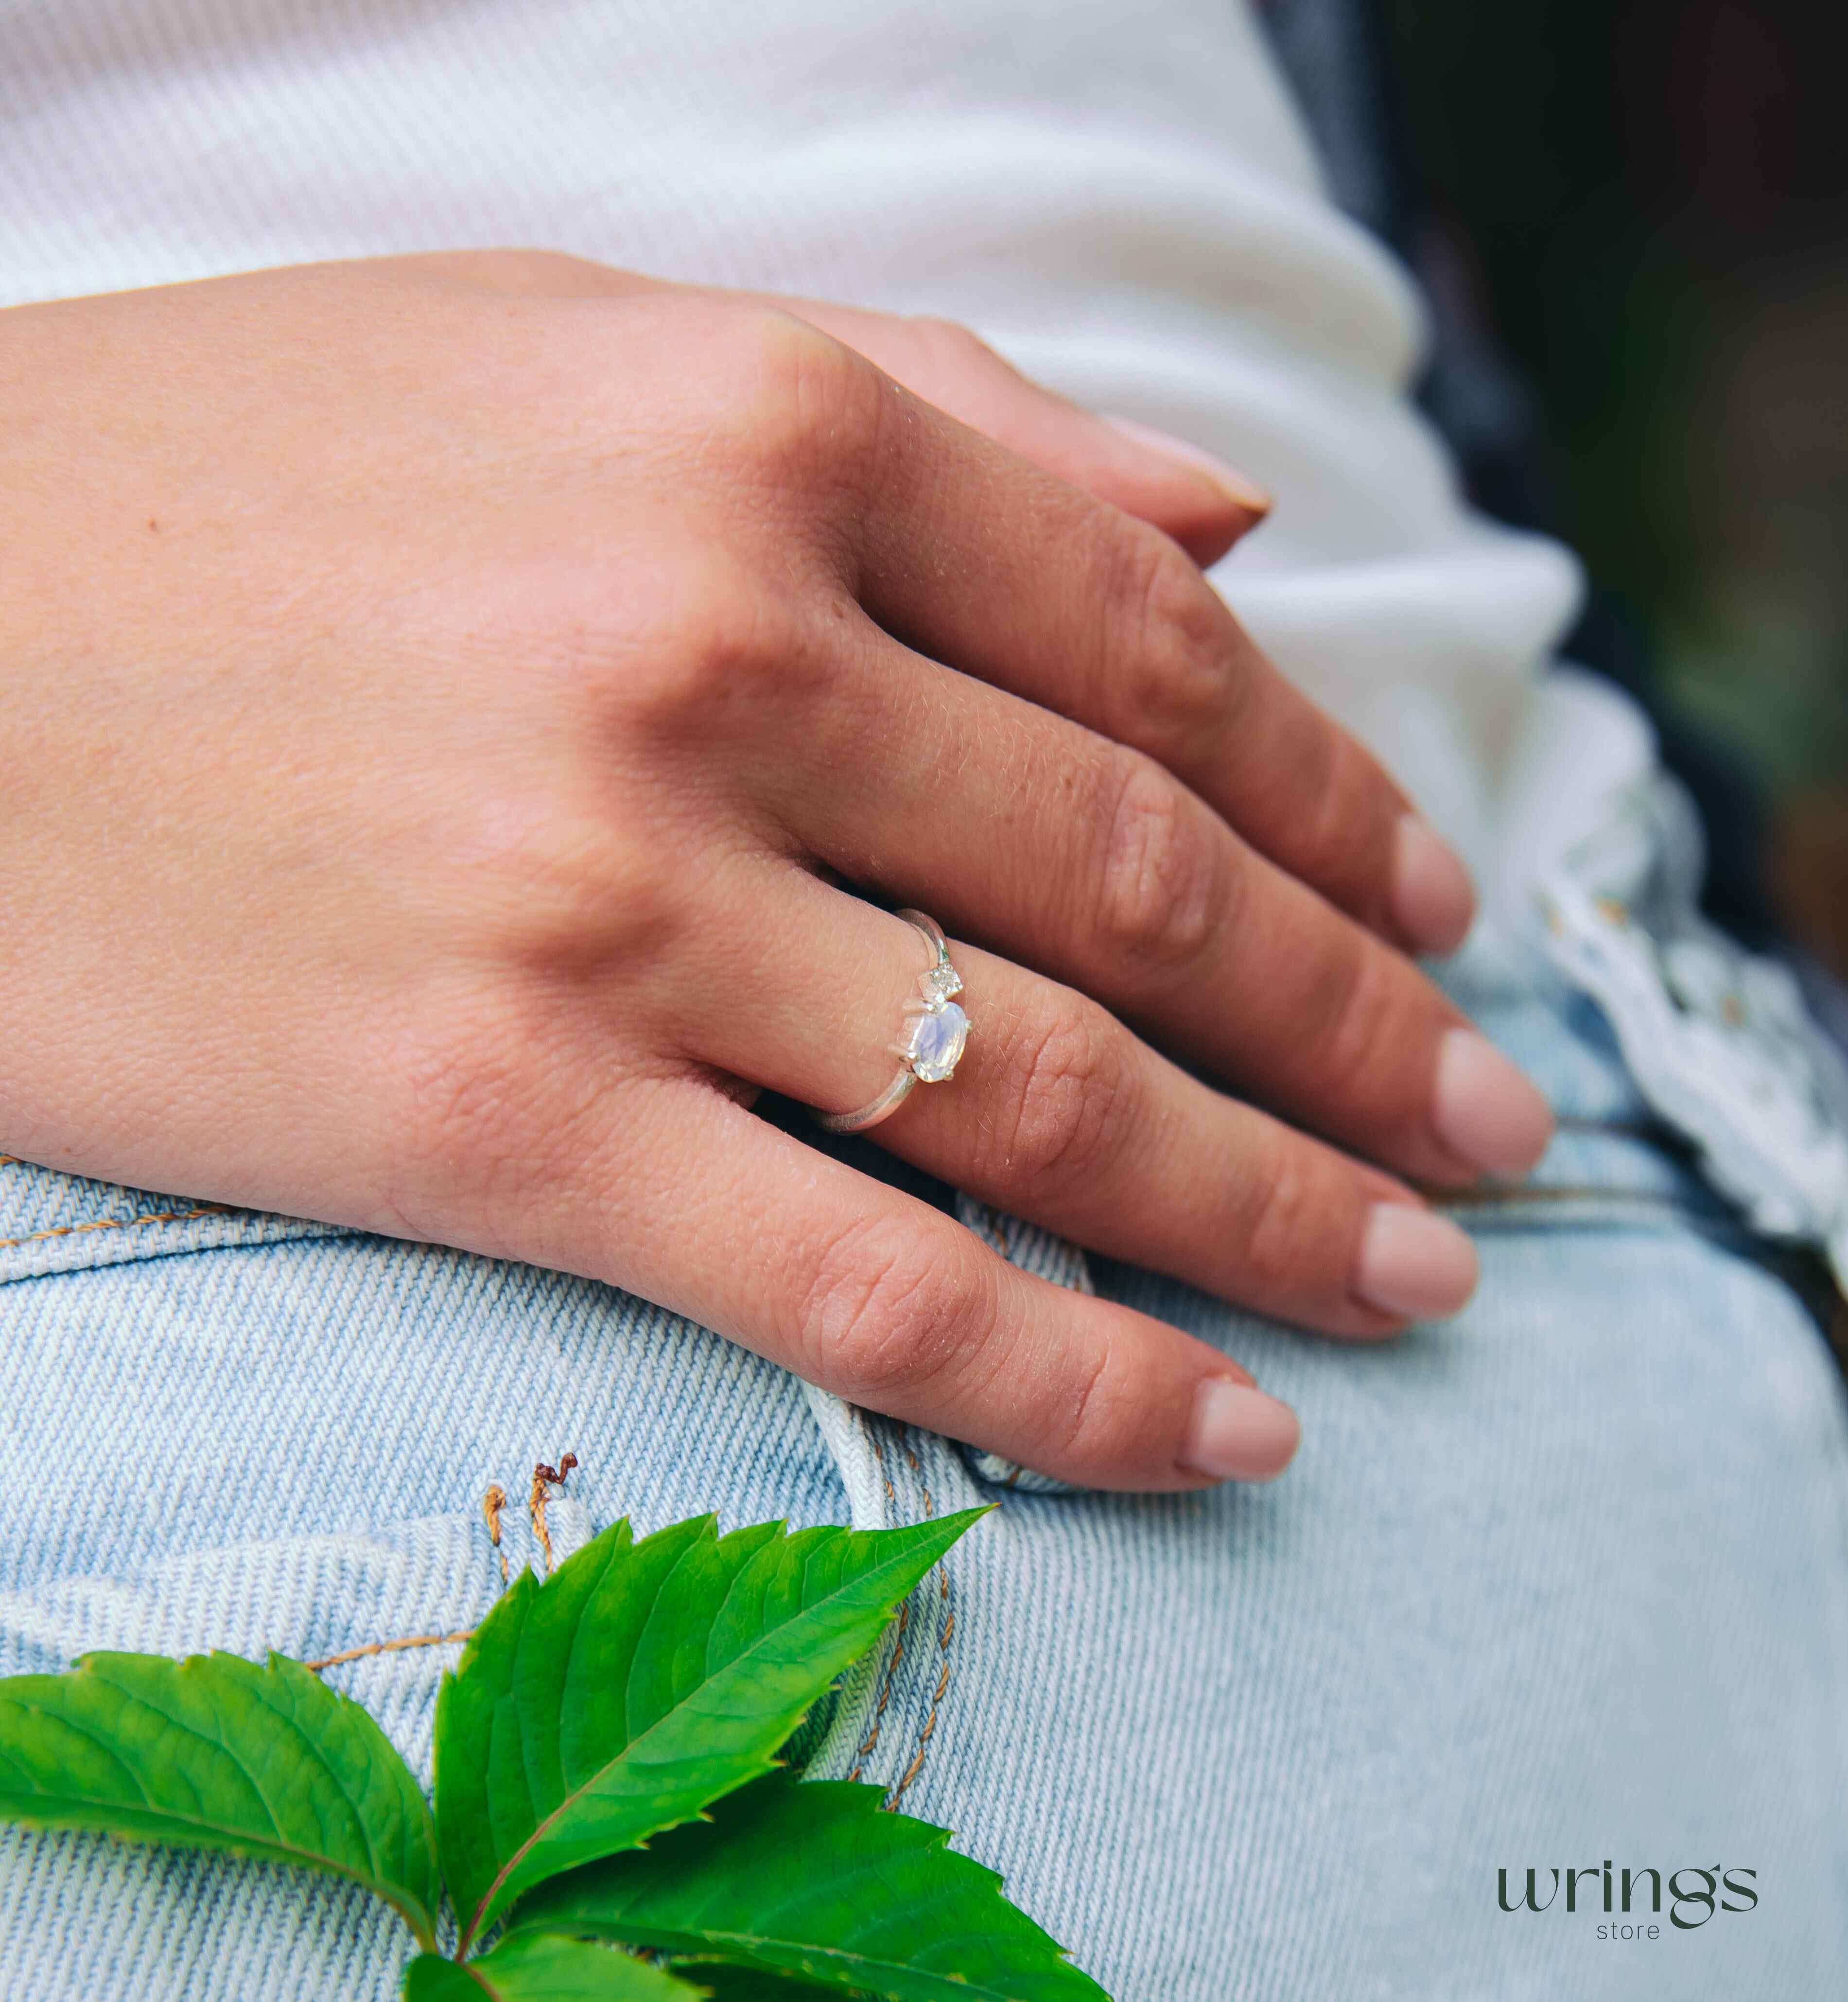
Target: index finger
[{"x": 988, "y": 564}]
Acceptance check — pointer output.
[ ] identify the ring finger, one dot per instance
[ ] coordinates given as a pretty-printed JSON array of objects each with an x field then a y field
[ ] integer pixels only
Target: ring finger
[
  {"x": 1058, "y": 1113},
  {"x": 1091, "y": 863}
]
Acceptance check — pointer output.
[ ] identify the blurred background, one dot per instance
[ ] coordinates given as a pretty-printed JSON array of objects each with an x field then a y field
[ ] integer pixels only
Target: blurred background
[{"x": 1633, "y": 223}]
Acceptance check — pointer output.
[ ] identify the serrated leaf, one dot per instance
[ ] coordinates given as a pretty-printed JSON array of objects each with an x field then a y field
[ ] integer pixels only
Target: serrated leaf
[
  {"x": 814, "y": 1880},
  {"x": 543, "y": 1967},
  {"x": 643, "y": 1680},
  {"x": 217, "y": 1752}
]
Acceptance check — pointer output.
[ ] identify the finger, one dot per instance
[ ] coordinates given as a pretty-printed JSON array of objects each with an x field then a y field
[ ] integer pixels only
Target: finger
[
  {"x": 1135, "y": 892},
  {"x": 981, "y": 560},
  {"x": 886, "y": 1301},
  {"x": 1201, "y": 503},
  {"x": 1056, "y": 1113},
  {"x": 1077, "y": 607}
]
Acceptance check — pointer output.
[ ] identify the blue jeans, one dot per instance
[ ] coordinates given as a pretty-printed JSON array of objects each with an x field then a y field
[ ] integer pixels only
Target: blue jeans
[{"x": 1562, "y": 1581}]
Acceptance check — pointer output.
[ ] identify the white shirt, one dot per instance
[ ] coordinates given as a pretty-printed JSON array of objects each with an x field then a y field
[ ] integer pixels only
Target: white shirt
[{"x": 1116, "y": 194}]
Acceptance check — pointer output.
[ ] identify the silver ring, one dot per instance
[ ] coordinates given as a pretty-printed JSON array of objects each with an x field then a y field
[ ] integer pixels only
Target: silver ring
[{"x": 936, "y": 1030}]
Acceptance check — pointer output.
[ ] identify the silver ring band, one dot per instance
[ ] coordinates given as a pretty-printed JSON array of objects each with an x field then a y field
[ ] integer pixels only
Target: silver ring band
[{"x": 935, "y": 1032}]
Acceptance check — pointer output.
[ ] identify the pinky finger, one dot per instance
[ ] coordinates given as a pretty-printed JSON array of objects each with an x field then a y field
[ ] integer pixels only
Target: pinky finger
[{"x": 871, "y": 1294}]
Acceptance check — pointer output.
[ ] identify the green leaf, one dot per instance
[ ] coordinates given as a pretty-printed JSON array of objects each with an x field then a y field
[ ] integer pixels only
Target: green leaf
[
  {"x": 643, "y": 1680},
  {"x": 543, "y": 1967},
  {"x": 752, "y": 1984},
  {"x": 216, "y": 1752},
  {"x": 812, "y": 1879}
]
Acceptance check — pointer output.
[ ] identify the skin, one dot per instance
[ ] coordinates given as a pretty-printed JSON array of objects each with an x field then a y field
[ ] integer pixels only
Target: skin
[{"x": 446, "y": 699}]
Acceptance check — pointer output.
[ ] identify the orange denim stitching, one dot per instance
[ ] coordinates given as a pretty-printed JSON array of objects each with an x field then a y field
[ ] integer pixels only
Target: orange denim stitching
[
  {"x": 388, "y": 1647},
  {"x": 946, "y": 1633},
  {"x": 117, "y": 1223},
  {"x": 898, "y": 1653},
  {"x": 492, "y": 1502},
  {"x": 885, "y": 1693}
]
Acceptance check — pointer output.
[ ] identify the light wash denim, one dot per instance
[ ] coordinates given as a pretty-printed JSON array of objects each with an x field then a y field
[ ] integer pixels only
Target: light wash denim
[{"x": 1566, "y": 1579}]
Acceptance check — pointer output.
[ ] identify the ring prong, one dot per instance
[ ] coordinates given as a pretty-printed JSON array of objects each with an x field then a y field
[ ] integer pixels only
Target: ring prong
[{"x": 935, "y": 988}]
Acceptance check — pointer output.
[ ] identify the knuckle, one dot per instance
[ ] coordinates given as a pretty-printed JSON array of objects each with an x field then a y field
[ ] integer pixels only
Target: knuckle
[
  {"x": 462, "y": 1087},
  {"x": 1176, "y": 676},
  {"x": 1360, "y": 1034},
  {"x": 812, "y": 408},
  {"x": 1334, "y": 836},
  {"x": 945, "y": 351},
  {"x": 486, "y": 1100},
  {"x": 702, "y": 647},
  {"x": 1285, "y": 1221},
  {"x": 578, "y": 893},
  {"x": 1161, "y": 886},
  {"x": 516, "y": 269},
  {"x": 1064, "y": 1102},
  {"x": 950, "y": 337},
  {"x": 887, "y": 1314},
  {"x": 1096, "y": 1420}
]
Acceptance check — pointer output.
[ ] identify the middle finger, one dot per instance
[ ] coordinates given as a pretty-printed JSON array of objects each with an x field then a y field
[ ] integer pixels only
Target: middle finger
[{"x": 1092, "y": 863}]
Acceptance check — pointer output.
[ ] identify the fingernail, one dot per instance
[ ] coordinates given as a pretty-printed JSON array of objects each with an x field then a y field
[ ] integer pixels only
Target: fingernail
[
  {"x": 1243, "y": 493},
  {"x": 1486, "y": 1111},
  {"x": 1238, "y": 1434},
  {"x": 1433, "y": 899},
  {"x": 1414, "y": 1264}
]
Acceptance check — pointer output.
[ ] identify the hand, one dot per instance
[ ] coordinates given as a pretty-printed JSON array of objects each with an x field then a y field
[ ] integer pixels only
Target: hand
[{"x": 442, "y": 697}]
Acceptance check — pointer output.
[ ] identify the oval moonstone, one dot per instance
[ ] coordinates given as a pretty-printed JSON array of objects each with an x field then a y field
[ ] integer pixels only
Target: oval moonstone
[{"x": 937, "y": 1041}]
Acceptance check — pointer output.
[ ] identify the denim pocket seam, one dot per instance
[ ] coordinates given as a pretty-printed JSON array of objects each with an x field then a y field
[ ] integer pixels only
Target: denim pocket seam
[
  {"x": 901, "y": 1625},
  {"x": 113, "y": 1222},
  {"x": 92, "y": 1243},
  {"x": 945, "y": 1635}
]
